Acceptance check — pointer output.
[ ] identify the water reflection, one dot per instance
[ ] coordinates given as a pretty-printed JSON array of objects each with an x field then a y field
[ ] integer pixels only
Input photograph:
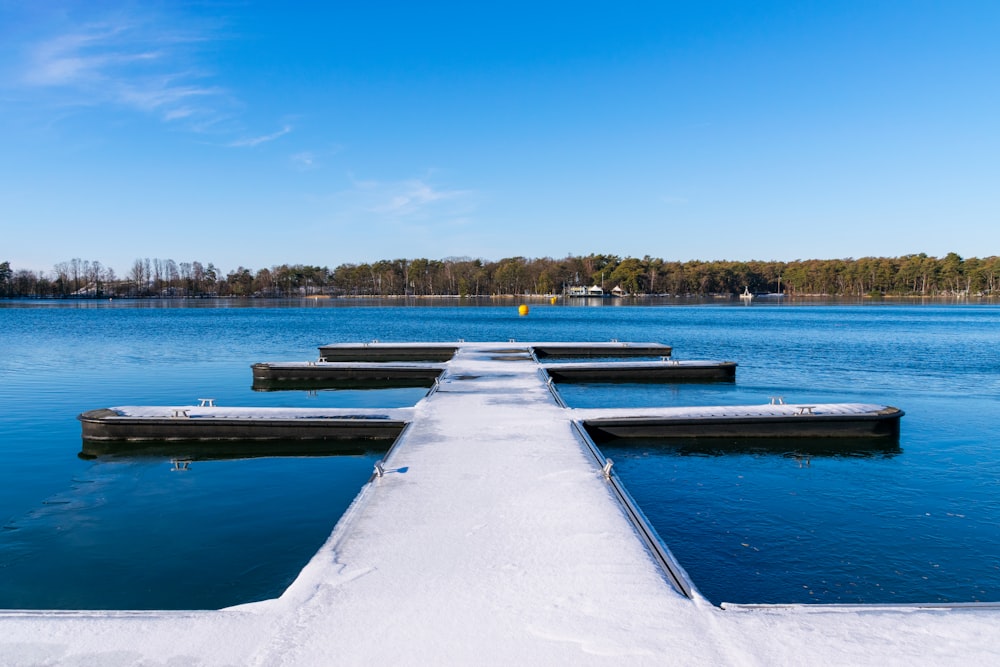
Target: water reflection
[
  {"x": 340, "y": 383},
  {"x": 220, "y": 450}
]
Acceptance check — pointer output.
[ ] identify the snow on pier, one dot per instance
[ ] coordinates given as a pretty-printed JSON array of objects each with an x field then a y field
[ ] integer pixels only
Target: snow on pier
[{"x": 492, "y": 537}]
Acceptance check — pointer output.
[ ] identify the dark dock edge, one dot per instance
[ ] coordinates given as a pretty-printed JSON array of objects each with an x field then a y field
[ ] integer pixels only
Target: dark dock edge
[
  {"x": 269, "y": 376},
  {"x": 107, "y": 425},
  {"x": 612, "y": 350},
  {"x": 653, "y": 372},
  {"x": 388, "y": 352},
  {"x": 443, "y": 352},
  {"x": 883, "y": 424}
]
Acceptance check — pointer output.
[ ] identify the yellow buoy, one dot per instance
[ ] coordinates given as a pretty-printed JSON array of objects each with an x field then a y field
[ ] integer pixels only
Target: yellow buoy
[
  {"x": 522, "y": 310},
  {"x": 553, "y": 300}
]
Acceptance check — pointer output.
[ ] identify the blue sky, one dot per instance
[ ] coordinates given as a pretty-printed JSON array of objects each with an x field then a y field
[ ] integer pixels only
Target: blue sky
[{"x": 256, "y": 134}]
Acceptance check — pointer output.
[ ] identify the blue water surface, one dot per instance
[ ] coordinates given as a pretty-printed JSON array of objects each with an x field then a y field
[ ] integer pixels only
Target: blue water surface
[{"x": 917, "y": 522}]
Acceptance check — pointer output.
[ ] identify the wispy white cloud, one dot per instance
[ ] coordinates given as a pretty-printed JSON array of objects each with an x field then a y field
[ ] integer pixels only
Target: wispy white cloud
[
  {"x": 179, "y": 113},
  {"x": 411, "y": 198},
  {"x": 304, "y": 161},
  {"x": 314, "y": 157},
  {"x": 88, "y": 55},
  {"x": 250, "y": 142},
  {"x": 411, "y": 217},
  {"x": 148, "y": 66}
]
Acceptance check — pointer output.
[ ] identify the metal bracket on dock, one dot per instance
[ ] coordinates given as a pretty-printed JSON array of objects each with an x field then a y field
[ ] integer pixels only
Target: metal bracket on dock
[
  {"x": 607, "y": 468},
  {"x": 551, "y": 386},
  {"x": 379, "y": 469}
]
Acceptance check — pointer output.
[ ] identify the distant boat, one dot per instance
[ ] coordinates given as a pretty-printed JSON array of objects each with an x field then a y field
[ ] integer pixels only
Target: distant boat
[{"x": 746, "y": 296}]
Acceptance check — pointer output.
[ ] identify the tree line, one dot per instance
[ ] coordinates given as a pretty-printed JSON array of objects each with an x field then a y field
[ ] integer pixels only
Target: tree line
[
  {"x": 909, "y": 275},
  {"x": 160, "y": 278}
]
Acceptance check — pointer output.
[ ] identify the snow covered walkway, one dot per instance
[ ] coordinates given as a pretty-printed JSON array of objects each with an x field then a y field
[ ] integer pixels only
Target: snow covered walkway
[{"x": 492, "y": 538}]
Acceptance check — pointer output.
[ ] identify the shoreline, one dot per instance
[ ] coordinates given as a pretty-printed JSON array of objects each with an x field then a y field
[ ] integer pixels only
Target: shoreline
[{"x": 535, "y": 299}]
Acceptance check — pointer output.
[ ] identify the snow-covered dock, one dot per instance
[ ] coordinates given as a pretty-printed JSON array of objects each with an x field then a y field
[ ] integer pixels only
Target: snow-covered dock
[{"x": 493, "y": 537}]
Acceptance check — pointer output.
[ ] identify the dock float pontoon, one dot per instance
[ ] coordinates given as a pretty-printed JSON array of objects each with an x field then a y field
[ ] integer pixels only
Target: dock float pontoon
[
  {"x": 829, "y": 420},
  {"x": 271, "y": 376},
  {"x": 611, "y": 350},
  {"x": 133, "y": 423},
  {"x": 378, "y": 351},
  {"x": 323, "y": 374},
  {"x": 666, "y": 370}
]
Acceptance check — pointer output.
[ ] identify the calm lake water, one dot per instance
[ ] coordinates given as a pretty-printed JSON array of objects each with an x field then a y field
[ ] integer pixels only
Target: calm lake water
[{"x": 767, "y": 522}]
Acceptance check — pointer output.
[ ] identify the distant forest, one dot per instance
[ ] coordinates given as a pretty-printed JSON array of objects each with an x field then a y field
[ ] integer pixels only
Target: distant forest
[{"x": 910, "y": 275}]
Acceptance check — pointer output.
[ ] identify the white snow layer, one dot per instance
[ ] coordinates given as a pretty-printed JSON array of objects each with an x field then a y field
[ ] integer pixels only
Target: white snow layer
[{"x": 493, "y": 539}]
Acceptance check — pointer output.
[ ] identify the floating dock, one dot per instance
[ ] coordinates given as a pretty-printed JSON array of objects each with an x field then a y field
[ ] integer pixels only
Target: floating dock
[
  {"x": 495, "y": 535},
  {"x": 209, "y": 422},
  {"x": 322, "y": 374}
]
